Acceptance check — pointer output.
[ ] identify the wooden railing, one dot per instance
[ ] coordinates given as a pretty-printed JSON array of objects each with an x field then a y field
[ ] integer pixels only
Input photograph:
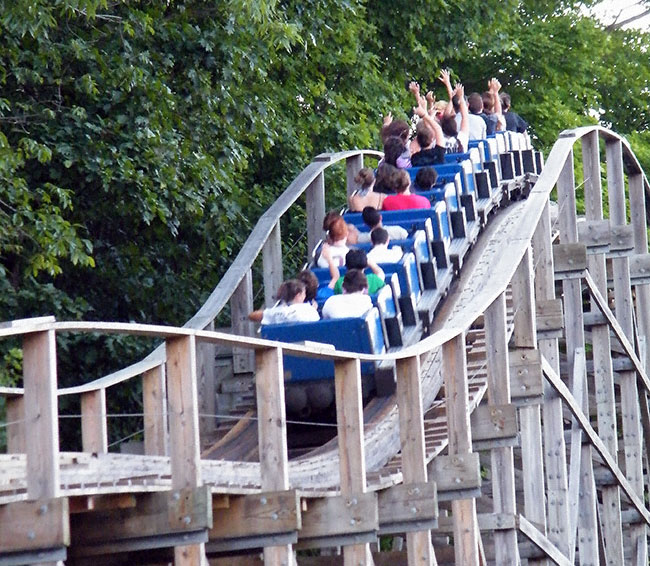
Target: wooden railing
[{"x": 562, "y": 508}]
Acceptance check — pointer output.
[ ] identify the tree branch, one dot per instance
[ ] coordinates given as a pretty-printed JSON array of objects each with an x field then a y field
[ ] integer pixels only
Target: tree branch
[{"x": 619, "y": 25}]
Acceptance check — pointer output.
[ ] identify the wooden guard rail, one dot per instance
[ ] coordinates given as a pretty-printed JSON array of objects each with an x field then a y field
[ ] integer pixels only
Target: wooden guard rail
[{"x": 564, "y": 507}]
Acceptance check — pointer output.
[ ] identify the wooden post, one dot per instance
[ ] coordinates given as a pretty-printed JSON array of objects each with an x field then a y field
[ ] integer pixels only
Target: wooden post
[
  {"x": 414, "y": 466},
  {"x": 315, "y": 201},
  {"x": 206, "y": 369},
  {"x": 272, "y": 434},
  {"x": 154, "y": 401},
  {"x": 94, "y": 428},
  {"x": 352, "y": 166},
  {"x": 41, "y": 415},
  {"x": 16, "y": 424},
  {"x": 630, "y": 409},
  {"x": 184, "y": 442},
  {"x": 525, "y": 337},
  {"x": 612, "y": 532},
  {"x": 466, "y": 533},
  {"x": 554, "y": 445},
  {"x": 575, "y": 340},
  {"x": 503, "y": 477},
  {"x": 272, "y": 265},
  {"x": 352, "y": 459},
  {"x": 241, "y": 305}
]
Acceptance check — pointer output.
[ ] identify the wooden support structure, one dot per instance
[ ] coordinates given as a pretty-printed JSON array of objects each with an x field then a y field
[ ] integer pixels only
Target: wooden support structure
[{"x": 517, "y": 433}]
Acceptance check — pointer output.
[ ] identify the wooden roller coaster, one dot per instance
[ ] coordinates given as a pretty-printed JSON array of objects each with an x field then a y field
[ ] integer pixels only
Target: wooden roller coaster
[{"x": 517, "y": 433}]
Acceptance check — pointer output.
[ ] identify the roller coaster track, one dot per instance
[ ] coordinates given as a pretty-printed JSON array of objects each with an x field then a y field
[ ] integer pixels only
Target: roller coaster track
[{"x": 518, "y": 430}]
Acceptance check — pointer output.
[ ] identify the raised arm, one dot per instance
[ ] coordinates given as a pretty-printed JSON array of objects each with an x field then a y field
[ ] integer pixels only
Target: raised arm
[
  {"x": 421, "y": 111},
  {"x": 463, "y": 133},
  {"x": 494, "y": 86},
  {"x": 446, "y": 80}
]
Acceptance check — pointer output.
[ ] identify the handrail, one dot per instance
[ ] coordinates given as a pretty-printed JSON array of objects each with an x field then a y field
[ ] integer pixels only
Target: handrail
[{"x": 503, "y": 270}]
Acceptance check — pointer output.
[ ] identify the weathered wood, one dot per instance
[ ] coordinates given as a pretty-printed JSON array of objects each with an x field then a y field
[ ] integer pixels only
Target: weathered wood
[
  {"x": 272, "y": 269},
  {"x": 570, "y": 260},
  {"x": 266, "y": 513},
  {"x": 549, "y": 318},
  {"x": 544, "y": 544},
  {"x": 155, "y": 515},
  {"x": 501, "y": 413},
  {"x": 602, "y": 360},
  {"x": 315, "y": 201},
  {"x": 352, "y": 463},
  {"x": 206, "y": 374},
  {"x": 622, "y": 243},
  {"x": 490, "y": 422},
  {"x": 241, "y": 304},
  {"x": 272, "y": 434},
  {"x": 31, "y": 525},
  {"x": 94, "y": 427},
  {"x": 403, "y": 505},
  {"x": 411, "y": 427},
  {"x": 525, "y": 373},
  {"x": 41, "y": 415},
  {"x": 339, "y": 517},
  {"x": 154, "y": 400},
  {"x": 595, "y": 235},
  {"x": 15, "y": 406},
  {"x": 352, "y": 166},
  {"x": 457, "y": 472},
  {"x": 466, "y": 533},
  {"x": 640, "y": 269},
  {"x": 184, "y": 441}
]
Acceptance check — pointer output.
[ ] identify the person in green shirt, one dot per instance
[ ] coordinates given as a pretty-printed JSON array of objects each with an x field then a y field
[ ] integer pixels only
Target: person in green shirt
[{"x": 357, "y": 259}]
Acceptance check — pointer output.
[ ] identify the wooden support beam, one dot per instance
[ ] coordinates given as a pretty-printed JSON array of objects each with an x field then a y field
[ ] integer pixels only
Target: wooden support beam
[
  {"x": 570, "y": 260},
  {"x": 525, "y": 369},
  {"x": 272, "y": 265},
  {"x": 502, "y": 460},
  {"x": 206, "y": 375},
  {"x": 32, "y": 525},
  {"x": 315, "y": 201},
  {"x": 352, "y": 166},
  {"x": 352, "y": 461},
  {"x": 409, "y": 508},
  {"x": 414, "y": 468},
  {"x": 154, "y": 401},
  {"x": 466, "y": 533},
  {"x": 272, "y": 434},
  {"x": 94, "y": 427},
  {"x": 549, "y": 318},
  {"x": 41, "y": 415},
  {"x": 241, "y": 305},
  {"x": 538, "y": 538},
  {"x": 610, "y": 511},
  {"x": 555, "y": 470},
  {"x": 184, "y": 441},
  {"x": 15, "y": 407}
]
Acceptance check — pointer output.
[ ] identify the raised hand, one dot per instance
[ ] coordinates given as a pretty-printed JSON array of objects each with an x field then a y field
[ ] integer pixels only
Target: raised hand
[
  {"x": 414, "y": 88},
  {"x": 388, "y": 119},
  {"x": 445, "y": 78}
]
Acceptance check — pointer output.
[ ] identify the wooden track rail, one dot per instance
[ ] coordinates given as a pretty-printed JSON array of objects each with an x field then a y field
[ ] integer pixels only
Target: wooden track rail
[{"x": 518, "y": 431}]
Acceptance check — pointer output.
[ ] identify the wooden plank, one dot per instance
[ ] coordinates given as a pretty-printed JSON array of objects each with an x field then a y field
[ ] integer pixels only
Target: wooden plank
[
  {"x": 41, "y": 415},
  {"x": 549, "y": 318},
  {"x": 622, "y": 243},
  {"x": 352, "y": 462},
  {"x": 401, "y": 505},
  {"x": 595, "y": 235},
  {"x": 414, "y": 469},
  {"x": 569, "y": 260},
  {"x": 272, "y": 271},
  {"x": 94, "y": 427},
  {"x": 206, "y": 374},
  {"x": 640, "y": 269},
  {"x": 31, "y": 525},
  {"x": 272, "y": 434},
  {"x": 15, "y": 407},
  {"x": 155, "y": 515},
  {"x": 353, "y": 165},
  {"x": 339, "y": 516},
  {"x": 539, "y": 539},
  {"x": 184, "y": 441},
  {"x": 525, "y": 373},
  {"x": 315, "y": 203},
  {"x": 555, "y": 470},
  {"x": 263, "y": 513},
  {"x": 466, "y": 533},
  {"x": 602, "y": 361},
  {"x": 154, "y": 400},
  {"x": 456, "y": 472},
  {"x": 578, "y": 391},
  {"x": 241, "y": 304},
  {"x": 502, "y": 419},
  {"x": 491, "y": 422}
]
